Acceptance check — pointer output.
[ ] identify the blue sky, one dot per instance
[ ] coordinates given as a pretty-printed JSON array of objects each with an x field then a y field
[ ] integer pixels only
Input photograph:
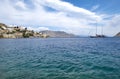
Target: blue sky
[
  {"x": 104, "y": 6},
  {"x": 73, "y": 16}
]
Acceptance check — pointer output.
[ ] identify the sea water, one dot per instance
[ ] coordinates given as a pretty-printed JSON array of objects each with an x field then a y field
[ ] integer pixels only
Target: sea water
[{"x": 60, "y": 58}]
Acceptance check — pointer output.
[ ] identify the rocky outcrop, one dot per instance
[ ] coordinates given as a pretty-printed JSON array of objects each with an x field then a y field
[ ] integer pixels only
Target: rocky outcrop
[
  {"x": 18, "y": 32},
  {"x": 57, "y": 34},
  {"x": 117, "y": 35},
  {"x": 3, "y": 26}
]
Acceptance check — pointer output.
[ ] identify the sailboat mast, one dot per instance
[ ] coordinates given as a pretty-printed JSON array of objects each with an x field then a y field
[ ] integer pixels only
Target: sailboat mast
[
  {"x": 96, "y": 27},
  {"x": 101, "y": 30}
]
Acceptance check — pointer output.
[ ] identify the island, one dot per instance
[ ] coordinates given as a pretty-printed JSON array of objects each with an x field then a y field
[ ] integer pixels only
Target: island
[{"x": 7, "y": 31}]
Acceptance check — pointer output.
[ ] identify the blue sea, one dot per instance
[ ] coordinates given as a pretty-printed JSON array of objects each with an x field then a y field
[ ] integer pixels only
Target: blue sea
[{"x": 60, "y": 58}]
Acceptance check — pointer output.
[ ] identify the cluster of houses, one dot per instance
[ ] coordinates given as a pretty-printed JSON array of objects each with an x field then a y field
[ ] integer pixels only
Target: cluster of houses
[{"x": 19, "y": 32}]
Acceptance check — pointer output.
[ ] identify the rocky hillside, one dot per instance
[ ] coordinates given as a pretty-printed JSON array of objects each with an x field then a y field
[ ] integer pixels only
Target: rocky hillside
[
  {"x": 117, "y": 35},
  {"x": 57, "y": 34},
  {"x": 18, "y": 32}
]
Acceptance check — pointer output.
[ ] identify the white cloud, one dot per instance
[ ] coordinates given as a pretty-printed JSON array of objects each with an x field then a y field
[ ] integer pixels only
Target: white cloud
[
  {"x": 66, "y": 16},
  {"x": 21, "y": 5},
  {"x": 112, "y": 25}
]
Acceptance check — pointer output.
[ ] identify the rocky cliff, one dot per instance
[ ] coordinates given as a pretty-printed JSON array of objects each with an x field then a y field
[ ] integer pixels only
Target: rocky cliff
[{"x": 117, "y": 35}]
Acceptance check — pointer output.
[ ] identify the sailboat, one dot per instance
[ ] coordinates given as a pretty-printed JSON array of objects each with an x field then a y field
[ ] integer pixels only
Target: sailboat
[{"x": 98, "y": 35}]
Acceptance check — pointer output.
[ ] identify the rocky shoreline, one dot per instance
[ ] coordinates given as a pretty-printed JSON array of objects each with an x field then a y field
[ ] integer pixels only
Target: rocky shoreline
[{"x": 18, "y": 32}]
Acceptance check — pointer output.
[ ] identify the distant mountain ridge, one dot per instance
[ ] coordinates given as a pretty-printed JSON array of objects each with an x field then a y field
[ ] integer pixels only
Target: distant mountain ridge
[{"x": 59, "y": 34}]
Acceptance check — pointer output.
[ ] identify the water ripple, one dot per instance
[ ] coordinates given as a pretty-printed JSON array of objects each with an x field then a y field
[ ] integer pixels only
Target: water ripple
[{"x": 60, "y": 58}]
